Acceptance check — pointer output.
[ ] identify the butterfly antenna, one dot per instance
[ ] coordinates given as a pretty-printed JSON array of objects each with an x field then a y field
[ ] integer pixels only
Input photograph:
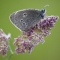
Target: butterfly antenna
[
  {"x": 45, "y": 9},
  {"x": 46, "y": 6}
]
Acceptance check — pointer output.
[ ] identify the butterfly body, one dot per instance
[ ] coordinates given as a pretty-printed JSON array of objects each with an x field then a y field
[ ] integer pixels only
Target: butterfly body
[{"x": 24, "y": 19}]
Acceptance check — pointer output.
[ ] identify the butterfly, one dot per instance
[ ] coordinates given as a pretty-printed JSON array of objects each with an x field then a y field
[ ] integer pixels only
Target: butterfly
[{"x": 27, "y": 18}]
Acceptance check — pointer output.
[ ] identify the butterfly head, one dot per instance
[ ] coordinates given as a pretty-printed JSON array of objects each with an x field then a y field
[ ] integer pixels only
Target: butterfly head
[{"x": 42, "y": 13}]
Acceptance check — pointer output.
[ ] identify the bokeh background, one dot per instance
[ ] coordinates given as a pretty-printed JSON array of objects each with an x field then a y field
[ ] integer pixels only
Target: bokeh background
[{"x": 50, "y": 50}]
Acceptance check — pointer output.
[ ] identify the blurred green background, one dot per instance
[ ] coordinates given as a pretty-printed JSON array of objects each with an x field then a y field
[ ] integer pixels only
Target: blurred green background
[{"x": 50, "y": 50}]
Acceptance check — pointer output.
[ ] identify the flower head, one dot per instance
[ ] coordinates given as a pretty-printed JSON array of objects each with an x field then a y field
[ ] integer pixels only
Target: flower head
[
  {"x": 3, "y": 42},
  {"x": 22, "y": 45},
  {"x": 19, "y": 45},
  {"x": 48, "y": 22}
]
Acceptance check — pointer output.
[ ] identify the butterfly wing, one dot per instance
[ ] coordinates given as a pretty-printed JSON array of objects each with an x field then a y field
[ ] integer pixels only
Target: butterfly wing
[{"x": 25, "y": 19}]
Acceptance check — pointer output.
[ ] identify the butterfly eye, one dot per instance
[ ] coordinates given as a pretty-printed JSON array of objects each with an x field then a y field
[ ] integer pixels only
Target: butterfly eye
[{"x": 24, "y": 14}]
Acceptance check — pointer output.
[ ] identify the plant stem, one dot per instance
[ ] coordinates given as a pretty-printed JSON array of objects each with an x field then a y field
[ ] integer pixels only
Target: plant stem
[
  {"x": 10, "y": 51},
  {"x": 10, "y": 48},
  {"x": 9, "y": 57}
]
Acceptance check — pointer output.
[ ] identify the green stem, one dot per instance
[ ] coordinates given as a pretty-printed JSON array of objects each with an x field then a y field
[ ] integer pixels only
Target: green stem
[
  {"x": 10, "y": 51},
  {"x": 9, "y": 57},
  {"x": 10, "y": 48}
]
